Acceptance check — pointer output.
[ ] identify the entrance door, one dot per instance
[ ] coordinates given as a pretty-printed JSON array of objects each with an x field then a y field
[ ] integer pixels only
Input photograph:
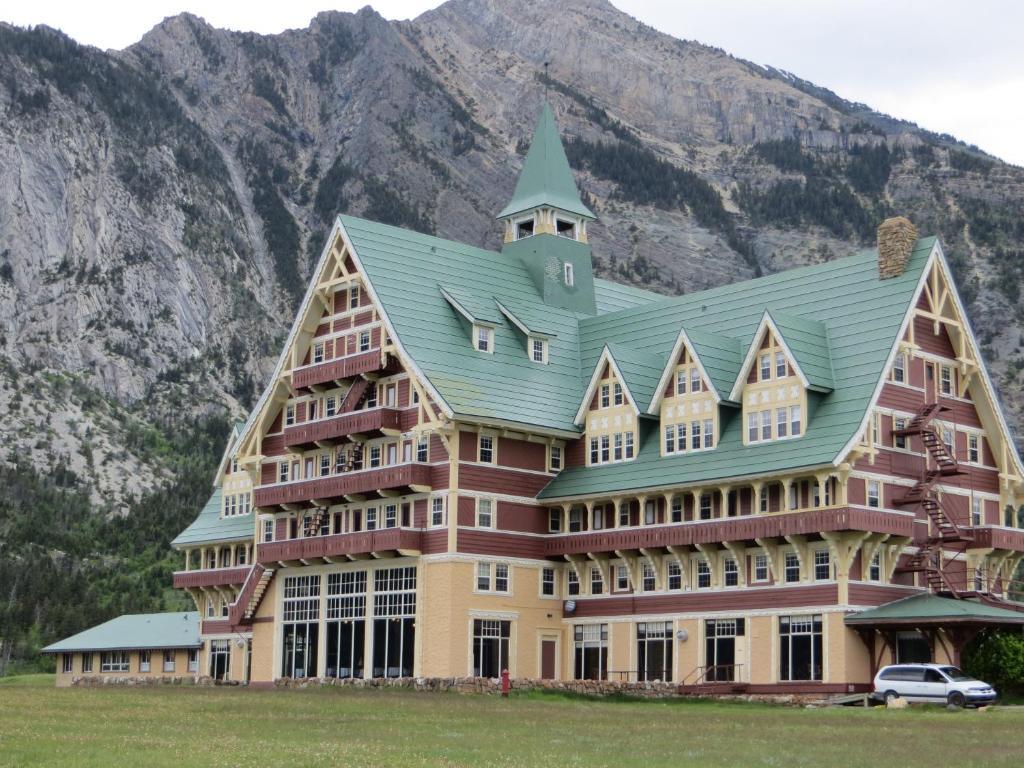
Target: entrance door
[
  {"x": 547, "y": 659},
  {"x": 720, "y": 640}
]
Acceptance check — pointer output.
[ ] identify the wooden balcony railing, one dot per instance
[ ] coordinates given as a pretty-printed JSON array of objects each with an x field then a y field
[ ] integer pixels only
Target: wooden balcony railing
[
  {"x": 372, "y": 422},
  {"x": 998, "y": 537},
  {"x": 210, "y": 577},
  {"x": 745, "y": 528},
  {"x": 339, "y": 368},
  {"x": 341, "y": 544},
  {"x": 337, "y": 486}
]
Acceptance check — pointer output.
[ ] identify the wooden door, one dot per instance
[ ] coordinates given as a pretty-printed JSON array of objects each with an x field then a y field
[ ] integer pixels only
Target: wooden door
[{"x": 547, "y": 659}]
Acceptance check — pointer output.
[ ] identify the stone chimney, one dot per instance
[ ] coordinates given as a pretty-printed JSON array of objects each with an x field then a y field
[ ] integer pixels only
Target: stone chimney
[{"x": 896, "y": 239}]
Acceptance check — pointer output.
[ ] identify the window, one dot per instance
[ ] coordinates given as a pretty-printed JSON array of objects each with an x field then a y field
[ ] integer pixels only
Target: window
[
  {"x": 565, "y": 228},
  {"x": 763, "y": 499},
  {"x": 677, "y": 509},
  {"x": 695, "y": 385},
  {"x": 654, "y": 650},
  {"x": 597, "y": 518},
  {"x": 705, "y": 506},
  {"x": 501, "y": 577},
  {"x": 720, "y": 648},
  {"x": 947, "y": 440},
  {"x": 391, "y": 516},
  {"x": 538, "y": 350},
  {"x": 524, "y": 228},
  {"x": 766, "y": 367},
  {"x": 670, "y": 439},
  {"x": 875, "y": 567},
  {"x": 761, "y": 567},
  {"x": 486, "y": 449},
  {"x": 618, "y": 398},
  {"x": 268, "y": 530},
  {"x": 371, "y": 518},
  {"x": 547, "y": 582},
  {"x": 596, "y": 582},
  {"x": 624, "y": 514},
  {"x": 781, "y": 421},
  {"x": 766, "y": 425},
  {"x": 289, "y": 415},
  {"x": 572, "y": 582},
  {"x": 822, "y": 565},
  {"x": 318, "y": 352},
  {"x": 67, "y": 659},
  {"x": 874, "y": 494},
  {"x": 483, "y": 577},
  {"x": 575, "y": 520},
  {"x": 325, "y": 464},
  {"x": 946, "y": 380},
  {"x": 605, "y": 396},
  {"x": 976, "y": 512},
  {"x": 555, "y": 458},
  {"x": 709, "y": 434},
  {"x": 490, "y": 647},
  {"x": 650, "y": 511},
  {"x": 621, "y": 578},
  {"x": 695, "y": 435},
  {"x": 86, "y": 662},
  {"x": 617, "y": 454},
  {"x": 629, "y": 445},
  {"x": 114, "y": 661},
  {"x": 437, "y": 511},
  {"x": 346, "y": 624},
  {"x": 792, "y": 568},
  {"x": 605, "y": 448},
  {"x": 899, "y": 441},
  {"x": 364, "y": 341},
  {"x": 394, "y": 624},
  {"x": 731, "y": 572},
  {"x": 568, "y": 274},
  {"x": 899, "y": 368},
  {"x": 193, "y": 659},
  {"x": 795, "y": 417},
  {"x": 648, "y": 581},
  {"x": 484, "y": 339},
  {"x": 800, "y": 647},
  {"x": 752, "y": 431},
  {"x": 168, "y": 661},
  {"x": 674, "y": 573},
  {"x": 353, "y": 297},
  {"x": 330, "y": 405},
  {"x": 496, "y": 574},
  {"x": 374, "y": 456},
  {"x": 681, "y": 382},
  {"x": 973, "y": 452},
  {"x": 590, "y": 652},
  {"x": 484, "y": 513},
  {"x": 703, "y": 574},
  {"x": 780, "y": 365},
  {"x": 554, "y": 519},
  {"x": 423, "y": 450}
]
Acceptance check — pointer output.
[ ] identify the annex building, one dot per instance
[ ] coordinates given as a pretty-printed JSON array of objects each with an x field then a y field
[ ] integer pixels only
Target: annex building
[{"x": 469, "y": 460}]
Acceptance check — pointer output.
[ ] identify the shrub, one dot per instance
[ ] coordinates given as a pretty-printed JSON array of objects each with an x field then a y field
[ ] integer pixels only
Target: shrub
[{"x": 998, "y": 659}]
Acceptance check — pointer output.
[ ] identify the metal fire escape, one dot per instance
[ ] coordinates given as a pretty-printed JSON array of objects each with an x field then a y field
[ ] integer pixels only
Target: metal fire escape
[{"x": 929, "y": 558}]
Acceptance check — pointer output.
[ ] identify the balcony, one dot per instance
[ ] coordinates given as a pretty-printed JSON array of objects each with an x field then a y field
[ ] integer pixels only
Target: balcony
[
  {"x": 338, "y": 488},
  {"x": 998, "y": 537},
  {"x": 373, "y": 422},
  {"x": 385, "y": 541},
  {"x": 746, "y": 528},
  {"x": 329, "y": 371},
  {"x": 210, "y": 577}
]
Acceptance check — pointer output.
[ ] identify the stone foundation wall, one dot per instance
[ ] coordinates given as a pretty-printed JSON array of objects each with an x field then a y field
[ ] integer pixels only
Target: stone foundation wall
[{"x": 97, "y": 681}]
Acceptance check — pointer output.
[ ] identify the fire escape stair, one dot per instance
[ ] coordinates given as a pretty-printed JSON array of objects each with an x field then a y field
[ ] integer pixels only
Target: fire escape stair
[{"x": 249, "y": 598}]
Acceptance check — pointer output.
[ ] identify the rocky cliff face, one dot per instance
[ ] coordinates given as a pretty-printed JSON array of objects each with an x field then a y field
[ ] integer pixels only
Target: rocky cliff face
[{"x": 160, "y": 207}]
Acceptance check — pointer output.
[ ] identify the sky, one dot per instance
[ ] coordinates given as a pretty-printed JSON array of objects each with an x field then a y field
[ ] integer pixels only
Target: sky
[{"x": 950, "y": 66}]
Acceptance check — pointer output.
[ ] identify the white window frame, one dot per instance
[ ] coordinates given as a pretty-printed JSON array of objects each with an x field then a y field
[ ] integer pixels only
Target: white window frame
[
  {"x": 568, "y": 275},
  {"x": 574, "y": 227},
  {"x": 516, "y": 223},
  {"x": 491, "y": 448},
  {"x": 545, "y": 583},
  {"x": 538, "y": 350},
  {"x": 491, "y": 513},
  {"x": 762, "y": 569},
  {"x": 483, "y": 338}
]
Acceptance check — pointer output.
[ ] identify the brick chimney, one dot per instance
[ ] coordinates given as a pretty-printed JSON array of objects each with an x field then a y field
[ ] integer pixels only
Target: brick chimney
[{"x": 896, "y": 239}]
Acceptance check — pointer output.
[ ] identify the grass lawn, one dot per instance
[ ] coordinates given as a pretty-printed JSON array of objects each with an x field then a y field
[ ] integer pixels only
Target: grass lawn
[{"x": 40, "y": 725}]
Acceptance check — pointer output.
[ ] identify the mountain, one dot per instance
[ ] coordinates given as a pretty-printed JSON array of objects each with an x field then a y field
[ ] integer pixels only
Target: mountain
[{"x": 161, "y": 206}]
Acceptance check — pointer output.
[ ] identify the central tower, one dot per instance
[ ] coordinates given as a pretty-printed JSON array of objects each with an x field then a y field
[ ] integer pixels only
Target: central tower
[{"x": 546, "y": 223}]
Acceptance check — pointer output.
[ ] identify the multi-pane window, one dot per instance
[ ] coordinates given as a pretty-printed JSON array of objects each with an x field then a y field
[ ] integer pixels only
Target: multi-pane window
[
  {"x": 624, "y": 514},
  {"x": 720, "y": 648},
  {"x": 572, "y": 582},
  {"x": 874, "y": 493},
  {"x": 590, "y": 652},
  {"x": 676, "y": 514},
  {"x": 601, "y": 448},
  {"x": 703, "y": 574},
  {"x": 763, "y": 499},
  {"x": 766, "y": 367},
  {"x": 621, "y": 578},
  {"x": 486, "y": 449},
  {"x": 538, "y": 350},
  {"x": 371, "y": 518},
  {"x": 976, "y": 512},
  {"x": 353, "y": 297},
  {"x": 492, "y": 577},
  {"x": 822, "y": 565},
  {"x": 437, "y": 511},
  {"x": 648, "y": 578},
  {"x": 899, "y": 441},
  {"x": 114, "y": 661},
  {"x": 490, "y": 647},
  {"x": 973, "y": 452},
  {"x": 575, "y": 520},
  {"x": 899, "y": 368},
  {"x": 800, "y": 647},
  {"x": 330, "y": 405},
  {"x": 791, "y": 568},
  {"x": 391, "y": 516},
  {"x": 705, "y": 506},
  {"x": 193, "y": 659},
  {"x": 168, "y": 661},
  {"x": 947, "y": 439},
  {"x": 318, "y": 352},
  {"x": 674, "y": 573},
  {"x": 875, "y": 567},
  {"x": 596, "y": 583},
  {"x": 394, "y": 623},
  {"x": 345, "y": 614},
  {"x": 795, "y": 421},
  {"x": 731, "y": 572},
  {"x": 780, "y": 365},
  {"x": 289, "y": 415},
  {"x": 654, "y": 650},
  {"x": 484, "y": 513},
  {"x": 86, "y": 662},
  {"x": 301, "y": 598},
  {"x": 547, "y": 582},
  {"x": 605, "y": 396},
  {"x": 681, "y": 379},
  {"x": 67, "y": 660},
  {"x": 618, "y": 397},
  {"x": 483, "y": 338},
  {"x": 423, "y": 450},
  {"x": 364, "y": 341},
  {"x": 555, "y": 458},
  {"x": 946, "y": 380},
  {"x": 554, "y": 519},
  {"x": 782, "y": 422},
  {"x": 761, "y": 567}
]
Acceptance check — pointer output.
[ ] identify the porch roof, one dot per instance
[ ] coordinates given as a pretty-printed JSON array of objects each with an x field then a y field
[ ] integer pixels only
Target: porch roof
[{"x": 932, "y": 610}]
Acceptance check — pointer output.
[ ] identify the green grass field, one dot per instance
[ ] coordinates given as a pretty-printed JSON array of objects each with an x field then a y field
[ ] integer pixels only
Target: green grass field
[{"x": 152, "y": 727}]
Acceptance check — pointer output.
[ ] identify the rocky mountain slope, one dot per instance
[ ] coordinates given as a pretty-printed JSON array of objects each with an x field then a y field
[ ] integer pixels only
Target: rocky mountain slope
[{"x": 160, "y": 206}]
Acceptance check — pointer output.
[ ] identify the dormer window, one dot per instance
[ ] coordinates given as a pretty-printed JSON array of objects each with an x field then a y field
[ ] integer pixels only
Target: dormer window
[
  {"x": 524, "y": 228},
  {"x": 781, "y": 370},
  {"x": 483, "y": 338},
  {"x": 766, "y": 367},
  {"x": 538, "y": 350},
  {"x": 569, "y": 277},
  {"x": 565, "y": 228}
]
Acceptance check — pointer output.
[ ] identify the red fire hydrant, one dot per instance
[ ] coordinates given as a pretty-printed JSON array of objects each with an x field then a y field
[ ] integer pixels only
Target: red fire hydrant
[{"x": 506, "y": 684}]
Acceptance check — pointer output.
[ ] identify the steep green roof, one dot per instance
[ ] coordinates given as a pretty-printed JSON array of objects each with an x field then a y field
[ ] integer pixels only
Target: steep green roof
[
  {"x": 476, "y": 309},
  {"x": 640, "y": 372},
  {"x": 862, "y": 315},
  {"x": 928, "y": 607},
  {"x": 209, "y": 526},
  {"x": 546, "y": 178},
  {"x": 808, "y": 341},
  {"x": 719, "y": 355},
  {"x": 137, "y": 631}
]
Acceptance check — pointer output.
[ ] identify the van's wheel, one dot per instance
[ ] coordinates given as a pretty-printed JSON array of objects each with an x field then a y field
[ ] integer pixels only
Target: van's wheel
[
  {"x": 891, "y": 696},
  {"x": 956, "y": 700}
]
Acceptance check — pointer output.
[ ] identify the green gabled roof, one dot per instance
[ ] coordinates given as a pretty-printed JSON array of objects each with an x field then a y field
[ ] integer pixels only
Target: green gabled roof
[
  {"x": 808, "y": 341},
  {"x": 534, "y": 320},
  {"x": 862, "y": 315},
  {"x": 145, "y": 631},
  {"x": 546, "y": 179},
  {"x": 209, "y": 526},
  {"x": 611, "y": 297},
  {"x": 640, "y": 372},
  {"x": 720, "y": 357},
  {"x": 928, "y": 607},
  {"x": 476, "y": 309}
]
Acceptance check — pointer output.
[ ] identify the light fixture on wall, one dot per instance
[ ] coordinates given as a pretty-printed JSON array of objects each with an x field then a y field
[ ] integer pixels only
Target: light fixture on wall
[
  {"x": 570, "y": 606},
  {"x": 682, "y": 635}
]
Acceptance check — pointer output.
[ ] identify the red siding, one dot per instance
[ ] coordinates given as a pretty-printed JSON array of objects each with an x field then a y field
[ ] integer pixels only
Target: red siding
[
  {"x": 501, "y": 544},
  {"x": 720, "y": 600},
  {"x": 522, "y": 454},
  {"x": 510, "y": 482}
]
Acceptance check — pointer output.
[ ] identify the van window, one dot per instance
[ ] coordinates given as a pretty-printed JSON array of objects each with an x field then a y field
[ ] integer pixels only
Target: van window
[
  {"x": 955, "y": 674},
  {"x": 933, "y": 676},
  {"x": 907, "y": 674}
]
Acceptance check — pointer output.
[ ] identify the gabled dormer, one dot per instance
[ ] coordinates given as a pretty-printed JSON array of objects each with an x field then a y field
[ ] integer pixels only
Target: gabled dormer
[
  {"x": 479, "y": 317},
  {"x": 695, "y": 381},
  {"x": 546, "y": 224},
  {"x": 609, "y": 414},
  {"x": 788, "y": 358}
]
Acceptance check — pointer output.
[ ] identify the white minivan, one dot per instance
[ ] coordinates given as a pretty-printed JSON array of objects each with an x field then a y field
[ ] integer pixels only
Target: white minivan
[{"x": 931, "y": 683}]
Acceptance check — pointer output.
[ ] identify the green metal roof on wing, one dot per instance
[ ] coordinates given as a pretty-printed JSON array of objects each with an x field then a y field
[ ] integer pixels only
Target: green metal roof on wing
[
  {"x": 929, "y": 608},
  {"x": 211, "y": 527},
  {"x": 141, "y": 631}
]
